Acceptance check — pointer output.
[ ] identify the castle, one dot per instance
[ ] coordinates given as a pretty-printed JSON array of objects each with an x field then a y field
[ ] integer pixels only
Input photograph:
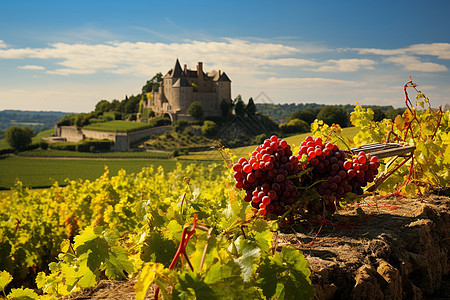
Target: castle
[{"x": 180, "y": 87}]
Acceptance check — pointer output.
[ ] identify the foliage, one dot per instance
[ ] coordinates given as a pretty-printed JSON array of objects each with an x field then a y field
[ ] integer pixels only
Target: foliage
[
  {"x": 118, "y": 126},
  {"x": 195, "y": 110},
  {"x": 225, "y": 106},
  {"x": 308, "y": 115},
  {"x": 333, "y": 114},
  {"x": 153, "y": 84},
  {"x": 209, "y": 129},
  {"x": 250, "y": 109},
  {"x": 129, "y": 226},
  {"x": 19, "y": 137},
  {"x": 239, "y": 106},
  {"x": 180, "y": 125},
  {"x": 294, "y": 126},
  {"x": 421, "y": 126}
]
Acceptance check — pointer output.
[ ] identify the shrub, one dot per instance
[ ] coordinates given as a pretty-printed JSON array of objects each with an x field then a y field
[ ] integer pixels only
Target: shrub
[{"x": 209, "y": 129}]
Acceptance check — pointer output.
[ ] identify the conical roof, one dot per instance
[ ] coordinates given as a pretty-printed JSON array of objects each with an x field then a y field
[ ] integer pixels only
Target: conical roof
[{"x": 177, "y": 71}]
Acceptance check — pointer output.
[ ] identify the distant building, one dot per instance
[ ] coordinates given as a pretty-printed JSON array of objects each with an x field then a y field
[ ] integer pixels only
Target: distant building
[{"x": 180, "y": 87}]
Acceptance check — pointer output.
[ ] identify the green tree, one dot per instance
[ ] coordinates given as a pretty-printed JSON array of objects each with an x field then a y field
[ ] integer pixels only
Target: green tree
[
  {"x": 308, "y": 115},
  {"x": 225, "y": 106},
  {"x": 394, "y": 112},
  {"x": 295, "y": 126},
  {"x": 195, "y": 110},
  {"x": 152, "y": 84},
  {"x": 239, "y": 106},
  {"x": 251, "y": 108},
  {"x": 378, "y": 114},
  {"x": 334, "y": 114},
  {"x": 209, "y": 129},
  {"x": 19, "y": 137},
  {"x": 132, "y": 104},
  {"x": 103, "y": 106}
]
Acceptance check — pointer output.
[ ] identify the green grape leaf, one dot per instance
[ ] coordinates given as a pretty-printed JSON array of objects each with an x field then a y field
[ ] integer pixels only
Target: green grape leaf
[
  {"x": 190, "y": 285},
  {"x": 219, "y": 272},
  {"x": 87, "y": 278},
  {"x": 267, "y": 277},
  {"x": 92, "y": 248},
  {"x": 5, "y": 279},
  {"x": 250, "y": 251},
  {"x": 118, "y": 264},
  {"x": 22, "y": 294},
  {"x": 158, "y": 249},
  {"x": 174, "y": 230},
  {"x": 260, "y": 225}
]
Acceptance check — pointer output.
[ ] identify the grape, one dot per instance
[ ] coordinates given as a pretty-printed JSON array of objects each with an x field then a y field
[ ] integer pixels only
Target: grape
[
  {"x": 339, "y": 175},
  {"x": 362, "y": 159},
  {"x": 264, "y": 176}
]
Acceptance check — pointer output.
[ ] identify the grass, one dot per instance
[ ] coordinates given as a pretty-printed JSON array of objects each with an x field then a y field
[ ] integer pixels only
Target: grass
[
  {"x": 117, "y": 126},
  {"x": 73, "y": 154},
  {"x": 294, "y": 141},
  {"x": 34, "y": 140},
  {"x": 43, "y": 172}
]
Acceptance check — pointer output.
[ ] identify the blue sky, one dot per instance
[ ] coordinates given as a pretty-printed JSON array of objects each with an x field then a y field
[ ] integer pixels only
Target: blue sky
[{"x": 68, "y": 55}]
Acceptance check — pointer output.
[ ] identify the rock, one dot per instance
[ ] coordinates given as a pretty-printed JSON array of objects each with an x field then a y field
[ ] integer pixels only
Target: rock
[
  {"x": 392, "y": 281},
  {"x": 367, "y": 286}
]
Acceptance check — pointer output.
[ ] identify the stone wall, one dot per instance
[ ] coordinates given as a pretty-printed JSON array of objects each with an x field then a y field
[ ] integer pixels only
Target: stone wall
[{"x": 122, "y": 141}]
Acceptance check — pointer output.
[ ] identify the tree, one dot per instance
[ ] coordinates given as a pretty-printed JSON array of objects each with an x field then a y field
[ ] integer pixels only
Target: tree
[
  {"x": 378, "y": 114},
  {"x": 152, "y": 84},
  {"x": 103, "y": 106},
  {"x": 334, "y": 114},
  {"x": 239, "y": 106},
  {"x": 132, "y": 104},
  {"x": 225, "y": 106},
  {"x": 251, "y": 108},
  {"x": 209, "y": 128},
  {"x": 19, "y": 137},
  {"x": 308, "y": 115},
  {"x": 295, "y": 126},
  {"x": 195, "y": 110},
  {"x": 394, "y": 112}
]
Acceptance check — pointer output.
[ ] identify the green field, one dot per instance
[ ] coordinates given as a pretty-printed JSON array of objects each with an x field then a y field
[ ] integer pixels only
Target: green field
[
  {"x": 41, "y": 172},
  {"x": 72, "y": 154},
  {"x": 35, "y": 172},
  {"x": 118, "y": 126},
  {"x": 294, "y": 141}
]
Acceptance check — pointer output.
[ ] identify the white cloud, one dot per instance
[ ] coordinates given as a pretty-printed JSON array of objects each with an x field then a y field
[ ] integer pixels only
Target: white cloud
[
  {"x": 345, "y": 65},
  {"x": 440, "y": 50},
  {"x": 147, "y": 58},
  {"x": 412, "y": 63},
  {"x": 314, "y": 82},
  {"x": 2, "y": 44},
  {"x": 31, "y": 67}
]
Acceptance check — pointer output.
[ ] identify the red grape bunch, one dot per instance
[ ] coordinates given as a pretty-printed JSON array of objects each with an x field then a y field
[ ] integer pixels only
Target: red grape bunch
[
  {"x": 264, "y": 176},
  {"x": 338, "y": 175}
]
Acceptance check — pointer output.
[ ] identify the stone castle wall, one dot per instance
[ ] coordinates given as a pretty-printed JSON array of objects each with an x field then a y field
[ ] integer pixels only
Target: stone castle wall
[{"x": 122, "y": 141}]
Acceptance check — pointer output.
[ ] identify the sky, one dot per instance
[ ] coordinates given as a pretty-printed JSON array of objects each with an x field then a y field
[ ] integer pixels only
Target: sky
[{"x": 68, "y": 55}]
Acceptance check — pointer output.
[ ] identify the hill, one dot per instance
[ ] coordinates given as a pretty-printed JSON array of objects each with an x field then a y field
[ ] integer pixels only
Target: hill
[{"x": 36, "y": 120}]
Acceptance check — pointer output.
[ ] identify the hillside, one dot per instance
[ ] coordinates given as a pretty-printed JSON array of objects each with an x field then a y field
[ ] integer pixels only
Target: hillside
[{"x": 36, "y": 120}]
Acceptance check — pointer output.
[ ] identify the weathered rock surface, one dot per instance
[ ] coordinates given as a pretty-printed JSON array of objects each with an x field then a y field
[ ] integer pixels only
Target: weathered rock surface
[{"x": 400, "y": 250}]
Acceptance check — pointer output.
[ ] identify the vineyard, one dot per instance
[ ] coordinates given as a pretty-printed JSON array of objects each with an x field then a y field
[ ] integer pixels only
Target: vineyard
[{"x": 234, "y": 230}]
